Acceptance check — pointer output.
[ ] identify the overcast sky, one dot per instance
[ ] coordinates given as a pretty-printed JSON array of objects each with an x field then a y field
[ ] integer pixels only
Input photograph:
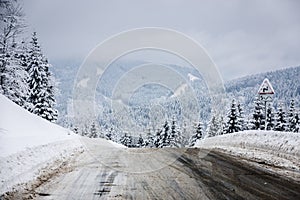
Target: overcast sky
[{"x": 242, "y": 37}]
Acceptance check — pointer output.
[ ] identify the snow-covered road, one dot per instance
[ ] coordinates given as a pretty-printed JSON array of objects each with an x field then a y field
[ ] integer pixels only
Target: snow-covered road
[{"x": 176, "y": 174}]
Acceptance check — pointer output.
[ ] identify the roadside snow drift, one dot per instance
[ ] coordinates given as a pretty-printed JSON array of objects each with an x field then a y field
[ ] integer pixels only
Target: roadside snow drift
[
  {"x": 272, "y": 147},
  {"x": 28, "y": 144},
  {"x": 20, "y": 129}
]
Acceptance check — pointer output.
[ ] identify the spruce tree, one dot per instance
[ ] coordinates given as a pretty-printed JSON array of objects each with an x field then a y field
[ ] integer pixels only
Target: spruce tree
[
  {"x": 280, "y": 119},
  {"x": 140, "y": 142},
  {"x": 149, "y": 141},
  {"x": 296, "y": 123},
  {"x": 14, "y": 77},
  {"x": 165, "y": 135},
  {"x": 270, "y": 117},
  {"x": 223, "y": 126},
  {"x": 76, "y": 130},
  {"x": 93, "y": 131},
  {"x": 291, "y": 116},
  {"x": 126, "y": 140},
  {"x": 109, "y": 134},
  {"x": 256, "y": 122},
  {"x": 197, "y": 134},
  {"x": 157, "y": 138},
  {"x": 12, "y": 74},
  {"x": 175, "y": 138},
  {"x": 41, "y": 84},
  {"x": 241, "y": 120},
  {"x": 213, "y": 126},
  {"x": 232, "y": 123}
]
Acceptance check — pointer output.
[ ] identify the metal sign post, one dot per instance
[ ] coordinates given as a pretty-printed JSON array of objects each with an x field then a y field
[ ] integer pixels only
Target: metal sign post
[{"x": 266, "y": 93}]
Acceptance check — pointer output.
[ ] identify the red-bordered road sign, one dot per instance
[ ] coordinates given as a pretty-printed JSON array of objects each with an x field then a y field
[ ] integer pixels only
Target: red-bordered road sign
[{"x": 266, "y": 88}]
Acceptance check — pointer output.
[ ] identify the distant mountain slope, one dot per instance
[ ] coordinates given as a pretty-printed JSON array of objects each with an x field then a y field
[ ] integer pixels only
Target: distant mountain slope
[{"x": 286, "y": 83}]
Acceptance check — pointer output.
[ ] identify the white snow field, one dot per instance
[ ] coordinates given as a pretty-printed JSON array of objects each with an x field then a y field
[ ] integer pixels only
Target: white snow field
[
  {"x": 273, "y": 148},
  {"x": 28, "y": 144}
]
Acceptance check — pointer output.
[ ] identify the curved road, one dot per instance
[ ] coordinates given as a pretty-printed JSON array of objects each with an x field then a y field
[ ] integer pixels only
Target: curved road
[{"x": 166, "y": 174}]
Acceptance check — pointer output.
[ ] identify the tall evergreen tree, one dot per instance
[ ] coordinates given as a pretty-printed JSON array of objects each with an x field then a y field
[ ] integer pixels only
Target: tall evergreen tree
[
  {"x": 223, "y": 126},
  {"x": 241, "y": 119},
  {"x": 165, "y": 135},
  {"x": 140, "y": 142},
  {"x": 296, "y": 123},
  {"x": 109, "y": 134},
  {"x": 41, "y": 85},
  {"x": 197, "y": 135},
  {"x": 14, "y": 77},
  {"x": 93, "y": 131},
  {"x": 214, "y": 126},
  {"x": 157, "y": 138},
  {"x": 126, "y": 140},
  {"x": 291, "y": 116},
  {"x": 280, "y": 119},
  {"x": 11, "y": 25},
  {"x": 149, "y": 141},
  {"x": 270, "y": 117},
  {"x": 256, "y": 122},
  {"x": 232, "y": 123},
  {"x": 175, "y": 138}
]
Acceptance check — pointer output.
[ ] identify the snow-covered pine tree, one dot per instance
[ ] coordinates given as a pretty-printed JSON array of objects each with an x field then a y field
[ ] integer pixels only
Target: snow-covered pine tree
[
  {"x": 50, "y": 95},
  {"x": 280, "y": 119},
  {"x": 13, "y": 77},
  {"x": 270, "y": 117},
  {"x": 184, "y": 134},
  {"x": 290, "y": 118},
  {"x": 149, "y": 140},
  {"x": 176, "y": 139},
  {"x": 108, "y": 133},
  {"x": 76, "y": 130},
  {"x": 126, "y": 140},
  {"x": 293, "y": 118},
  {"x": 12, "y": 74},
  {"x": 296, "y": 123},
  {"x": 157, "y": 138},
  {"x": 213, "y": 126},
  {"x": 93, "y": 131},
  {"x": 197, "y": 135},
  {"x": 140, "y": 142},
  {"x": 232, "y": 123},
  {"x": 165, "y": 136},
  {"x": 223, "y": 126},
  {"x": 41, "y": 84},
  {"x": 256, "y": 122},
  {"x": 241, "y": 119}
]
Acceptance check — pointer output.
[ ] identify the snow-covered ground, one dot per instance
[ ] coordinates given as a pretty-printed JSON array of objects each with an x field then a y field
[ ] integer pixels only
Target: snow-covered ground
[
  {"x": 28, "y": 144},
  {"x": 280, "y": 149},
  {"x": 20, "y": 129}
]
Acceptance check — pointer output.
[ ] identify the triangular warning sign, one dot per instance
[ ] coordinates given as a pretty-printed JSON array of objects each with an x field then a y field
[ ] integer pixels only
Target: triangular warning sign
[{"x": 266, "y": 88}]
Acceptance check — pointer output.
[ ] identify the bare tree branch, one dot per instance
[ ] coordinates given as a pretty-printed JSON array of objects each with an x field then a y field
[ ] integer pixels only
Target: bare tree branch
[{"x": 12, "y": 22}]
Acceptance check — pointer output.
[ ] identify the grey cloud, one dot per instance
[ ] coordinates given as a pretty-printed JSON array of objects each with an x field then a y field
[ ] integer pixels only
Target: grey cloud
[{"x": 242, "y": 37}]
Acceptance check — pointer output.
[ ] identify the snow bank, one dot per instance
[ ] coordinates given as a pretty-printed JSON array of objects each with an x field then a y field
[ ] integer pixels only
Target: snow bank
[
  {"x": 29, "y": 143},
  {"x": 20, "y": 129},
  {"x": 29, "y": 164},
  {"x": 272, "y": 147}
]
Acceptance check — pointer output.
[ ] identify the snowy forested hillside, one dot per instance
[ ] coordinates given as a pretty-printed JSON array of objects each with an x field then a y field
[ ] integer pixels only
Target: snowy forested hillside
[
  {"x": 286, "y": 83},
  {"x": 25, "y": 75},
  {"x": 149, "y": 108}
]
